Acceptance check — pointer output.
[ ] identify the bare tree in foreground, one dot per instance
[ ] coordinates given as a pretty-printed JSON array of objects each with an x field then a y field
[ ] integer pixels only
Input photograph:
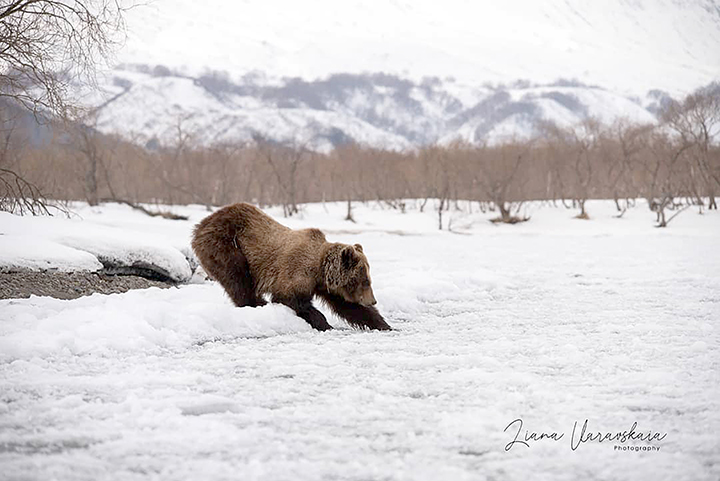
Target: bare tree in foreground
[
  {"x": 16, "y": 193},
  {"x": 45, "y": 47}
]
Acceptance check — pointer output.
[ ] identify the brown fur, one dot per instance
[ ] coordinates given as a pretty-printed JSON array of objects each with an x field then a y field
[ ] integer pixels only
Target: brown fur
[{"x": 250, "y": 255}]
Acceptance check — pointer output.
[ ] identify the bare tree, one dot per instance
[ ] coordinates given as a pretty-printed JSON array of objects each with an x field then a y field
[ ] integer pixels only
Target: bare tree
[
  {"x": 45, "y": 47},
  {"x": 16, "y": 193},
  {"x": 438, "y": 166},
  {"x": 620, "y": 147},
  {"x": 285, "y": 163},
  {"x": 89, "y": 147},
  {"x": 346, "y": 176},
  {"x": 664, "y": 166},
  {"x": 500, "y": 177},
  {"x": 696, "y": 120}
]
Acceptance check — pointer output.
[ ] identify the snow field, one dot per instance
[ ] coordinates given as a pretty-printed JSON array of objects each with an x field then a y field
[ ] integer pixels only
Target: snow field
[{"x": 553, "y": 321}]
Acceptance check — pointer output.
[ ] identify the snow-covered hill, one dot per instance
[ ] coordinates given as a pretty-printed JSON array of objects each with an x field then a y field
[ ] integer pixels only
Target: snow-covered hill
[
  {"x": 306, "y": 73},
  {"x": 150, "y": 104}
]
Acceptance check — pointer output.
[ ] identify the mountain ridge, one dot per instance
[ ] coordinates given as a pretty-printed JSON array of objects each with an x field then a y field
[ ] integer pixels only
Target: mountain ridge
[
  {"x": 400, "y": 74},
  {"x": 150, "y": 105}
]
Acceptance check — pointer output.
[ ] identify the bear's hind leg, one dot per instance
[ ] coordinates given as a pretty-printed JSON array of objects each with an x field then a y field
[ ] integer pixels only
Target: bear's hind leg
[{"x": 233, "y": 274}]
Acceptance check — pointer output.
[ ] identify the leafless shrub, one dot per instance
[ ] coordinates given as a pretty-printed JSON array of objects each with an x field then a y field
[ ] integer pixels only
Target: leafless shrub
[{"x": 20, "y": 196}]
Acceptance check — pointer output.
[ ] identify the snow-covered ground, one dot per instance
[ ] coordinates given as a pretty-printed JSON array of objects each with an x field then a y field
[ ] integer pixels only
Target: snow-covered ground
[{"x": 553, "y": 321}]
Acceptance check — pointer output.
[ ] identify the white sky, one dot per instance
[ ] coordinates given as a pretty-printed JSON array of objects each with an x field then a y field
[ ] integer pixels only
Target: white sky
[{"x": 630, "y": 46}]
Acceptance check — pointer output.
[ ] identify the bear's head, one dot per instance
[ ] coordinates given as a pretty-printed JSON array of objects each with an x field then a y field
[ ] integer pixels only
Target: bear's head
[{"x": 347, "y": 274}]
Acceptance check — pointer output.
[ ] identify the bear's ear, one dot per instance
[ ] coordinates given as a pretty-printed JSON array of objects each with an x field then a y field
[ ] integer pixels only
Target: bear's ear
[
  {"x": 348, "y": 257},
  {"x": 358, "y": 247}
]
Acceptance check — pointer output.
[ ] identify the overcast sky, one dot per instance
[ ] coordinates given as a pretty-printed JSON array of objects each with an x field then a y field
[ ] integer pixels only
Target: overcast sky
[{"x": 630, "y": 46}]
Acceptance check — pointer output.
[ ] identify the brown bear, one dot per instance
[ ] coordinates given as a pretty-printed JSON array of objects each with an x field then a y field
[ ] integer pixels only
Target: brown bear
[{"x": 250, "y": 254}]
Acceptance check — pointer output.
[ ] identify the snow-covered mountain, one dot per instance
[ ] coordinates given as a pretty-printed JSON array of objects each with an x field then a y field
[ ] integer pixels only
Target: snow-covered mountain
[
  {"x": 153, "y": 106},
  {"x": 478, "y": 70}
]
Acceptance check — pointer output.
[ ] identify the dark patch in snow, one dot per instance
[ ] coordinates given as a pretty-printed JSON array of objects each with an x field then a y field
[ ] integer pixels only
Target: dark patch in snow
[
  {"x": 69, "y": 285},
  {"x": 139, "y": 269}
]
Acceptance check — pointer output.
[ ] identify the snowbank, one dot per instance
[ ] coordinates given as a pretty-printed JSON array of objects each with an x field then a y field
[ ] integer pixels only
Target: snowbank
[
  {"x": 24, "y": 252},
  {"x": 40, "y": 243},
  {"x": 148, "y": 321}
]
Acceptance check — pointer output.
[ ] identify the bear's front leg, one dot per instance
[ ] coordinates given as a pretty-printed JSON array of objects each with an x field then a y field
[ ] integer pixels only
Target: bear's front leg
[
  {"x": 303, "y": 308},
  {"x": 355, "y": 314}
]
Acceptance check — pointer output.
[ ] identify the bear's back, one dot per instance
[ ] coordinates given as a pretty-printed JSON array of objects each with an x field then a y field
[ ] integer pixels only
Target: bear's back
[{"x": 278, "y": 256}]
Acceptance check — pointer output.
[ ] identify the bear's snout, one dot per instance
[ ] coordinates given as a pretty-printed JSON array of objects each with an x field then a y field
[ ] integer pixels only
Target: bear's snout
[{"x": 368, "y": 299}]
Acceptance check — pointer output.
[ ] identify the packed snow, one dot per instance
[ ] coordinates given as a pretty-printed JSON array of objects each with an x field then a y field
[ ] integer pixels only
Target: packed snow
[{"x": 553, "y": 321}]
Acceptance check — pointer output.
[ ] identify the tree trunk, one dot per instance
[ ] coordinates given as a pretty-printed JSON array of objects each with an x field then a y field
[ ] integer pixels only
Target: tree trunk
[
  {"x": 583, "y": 214},
  {"x": 504, "y": 212},
  {"x": 349, "y": 215},
  {"x": 91, "y": 182},
  {"x": 440, "y": 211}
]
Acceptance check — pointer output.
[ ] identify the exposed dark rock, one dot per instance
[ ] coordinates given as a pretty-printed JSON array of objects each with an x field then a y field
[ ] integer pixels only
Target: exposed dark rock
[{"x": 69, "y": 285}]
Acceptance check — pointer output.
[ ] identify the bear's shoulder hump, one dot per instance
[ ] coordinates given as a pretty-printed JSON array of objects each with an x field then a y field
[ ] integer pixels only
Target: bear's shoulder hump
[{"x": 315, "y": 234}]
